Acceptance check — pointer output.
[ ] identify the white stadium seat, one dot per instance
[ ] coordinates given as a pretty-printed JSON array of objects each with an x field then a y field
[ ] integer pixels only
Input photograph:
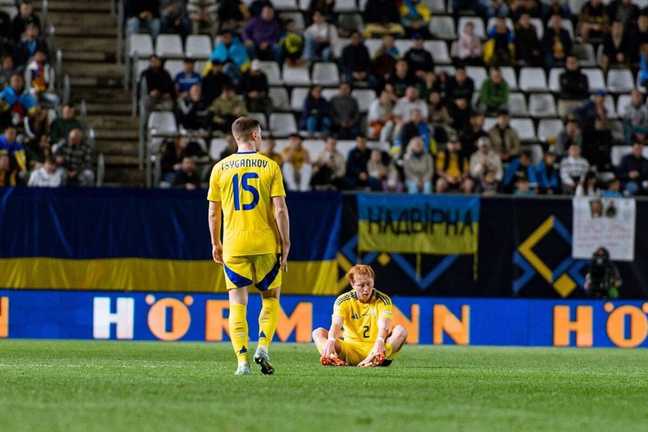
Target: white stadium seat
[
  {"x": 162, "y": 123},
  {"x": 524, "y": 128},
  {"x": 296, "y": 17},
  {"x": 517, "y": 105},
  {"x": 198, "y": 46},
  {"x": 285, "y": 4},
  {"x": 508, "y": 73},
  {"x": 297, "y": 98},
  {"x": 439, "y": 51},
  {"x": 554, "y": 79},
  {"x": 542, "y": 105},
  {"x": 282, "y": 124},
  {"x": 345, "y": 6},
  {"x": 489, "y": 122},
  {"x": 537, "y": 23},
  {"x": 174, "y": 67},
  {"x": 403, "y": 45},
  {"x": 373, "y": 45},
  {"x": 345, "y": 147},
  {"x": 478, "y": 75},
  {"x": 620, "y": 80},
  {"x": 585, "y": 55},
  {"x": 479, "y": 26},
  {"x": 140, "y": 45},
  {"x": 139, "y": 67},
  {"x": 536, "y": 152},
  {"x": 314, "y": 147},
  {"x": 169, "y": 45},
  {"x": 595, "y": 78},
  {"x": 295, "y": 75},
  {"x": 328, "y": 93},
  {"x": 436, "y": 6},
  {"x": 280, "y": 99},
  {"x": 364, "y": 97},
  {"x": 610, "y": 107},
  {"x": 549, "y": 129},
  {"x": 567, "y": 25},
  {"x": 325, "y": 74},
  {"x": 533, "y": 79},
  {"x": 618, "y": 152},
  {"x": 339, "y": 45},
  {"x": 443, "y": 27},
  {"x": 622, "y": 104},
  {"x": 261, "y": 118},
  {"x": 271, "y": 69},
  {"x": 491, "y": 24},
  {"x": 216, "y": 147},
  {"x": 449, "y": 70}
]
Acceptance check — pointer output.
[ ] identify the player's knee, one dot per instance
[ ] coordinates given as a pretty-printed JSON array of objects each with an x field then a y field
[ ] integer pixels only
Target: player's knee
[
  {"x": 319, "y": 332},
  {"x": 400, "y": 332}
]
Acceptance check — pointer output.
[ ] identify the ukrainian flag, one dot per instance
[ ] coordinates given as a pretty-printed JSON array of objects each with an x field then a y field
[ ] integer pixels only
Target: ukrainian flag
[{"x": 145, "y": 240}]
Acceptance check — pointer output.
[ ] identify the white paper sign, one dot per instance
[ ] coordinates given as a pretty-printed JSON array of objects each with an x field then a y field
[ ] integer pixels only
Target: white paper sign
[{"x": 606, "y": 222}]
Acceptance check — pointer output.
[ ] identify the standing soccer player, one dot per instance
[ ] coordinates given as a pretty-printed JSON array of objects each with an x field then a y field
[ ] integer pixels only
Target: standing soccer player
[{"x": 248, "y": 188}]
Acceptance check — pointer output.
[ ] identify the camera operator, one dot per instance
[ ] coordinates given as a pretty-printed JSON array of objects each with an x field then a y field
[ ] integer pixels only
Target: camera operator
[{"x": 603, "y": 279}]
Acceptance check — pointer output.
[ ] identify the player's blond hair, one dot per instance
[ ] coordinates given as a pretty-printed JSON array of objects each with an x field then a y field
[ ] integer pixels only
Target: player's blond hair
[
  {"x": 243, "y": 127},
  {"x": 360, "y": 269}
]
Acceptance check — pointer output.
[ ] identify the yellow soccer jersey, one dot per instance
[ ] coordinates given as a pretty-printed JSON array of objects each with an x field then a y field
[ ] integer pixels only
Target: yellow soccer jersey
[
  {"x": 360, "y": 320},
  {"x": 245, "y": 183}
]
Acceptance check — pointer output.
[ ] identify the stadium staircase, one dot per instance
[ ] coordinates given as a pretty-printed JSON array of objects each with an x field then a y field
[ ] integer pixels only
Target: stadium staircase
[{"x": 86, "y": 32}]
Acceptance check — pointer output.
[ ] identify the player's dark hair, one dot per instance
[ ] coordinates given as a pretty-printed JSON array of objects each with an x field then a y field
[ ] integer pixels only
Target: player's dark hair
[{"x": 243, "y": 127}]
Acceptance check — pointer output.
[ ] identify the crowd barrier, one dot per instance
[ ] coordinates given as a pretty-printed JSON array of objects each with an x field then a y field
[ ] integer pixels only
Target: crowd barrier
[{"x": 203, "y": 317}]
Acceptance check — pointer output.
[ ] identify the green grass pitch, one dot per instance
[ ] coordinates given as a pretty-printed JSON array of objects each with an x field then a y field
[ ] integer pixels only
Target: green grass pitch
[{"x": 118, "y": 386}]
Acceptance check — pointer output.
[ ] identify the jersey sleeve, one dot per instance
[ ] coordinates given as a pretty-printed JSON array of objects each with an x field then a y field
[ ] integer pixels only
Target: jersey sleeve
[
  {"x": 384, "y": 307},
  {"x": 277, "y": 186},
  {"x": 340, "y": 308},
  {"x": 214, "y": 191}
]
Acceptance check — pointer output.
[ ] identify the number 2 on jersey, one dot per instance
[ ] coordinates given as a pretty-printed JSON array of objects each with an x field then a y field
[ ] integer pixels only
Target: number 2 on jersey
[
  {"x": 365, "y": 334},
  {"x": 247, "y": 188}
]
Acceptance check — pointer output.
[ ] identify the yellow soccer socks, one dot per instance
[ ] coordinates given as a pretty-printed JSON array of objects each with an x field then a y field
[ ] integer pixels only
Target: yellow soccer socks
[
  {"x": 268, "y": 319},
  {"x": 238, "y": 331}
]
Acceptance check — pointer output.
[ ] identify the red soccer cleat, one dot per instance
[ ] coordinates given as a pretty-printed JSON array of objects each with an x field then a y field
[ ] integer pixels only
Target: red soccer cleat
[{"x": 332, "y": 361}]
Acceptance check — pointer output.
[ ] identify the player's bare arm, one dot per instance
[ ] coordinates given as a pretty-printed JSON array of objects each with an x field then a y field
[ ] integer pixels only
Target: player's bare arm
[
  {"x": 283, "y": 225},
  {"x": 214, "y": 219}
]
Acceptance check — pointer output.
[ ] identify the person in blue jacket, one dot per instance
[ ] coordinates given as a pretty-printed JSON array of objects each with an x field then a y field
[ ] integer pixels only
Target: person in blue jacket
[
  {"x": 519, "y": 168},
  {"x": 230, "y": 51},
  {"x": 548, "y": 174}
]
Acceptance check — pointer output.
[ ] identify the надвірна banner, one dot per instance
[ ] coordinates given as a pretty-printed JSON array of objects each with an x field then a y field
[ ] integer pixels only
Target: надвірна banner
[{"x": 422, "y": 224}]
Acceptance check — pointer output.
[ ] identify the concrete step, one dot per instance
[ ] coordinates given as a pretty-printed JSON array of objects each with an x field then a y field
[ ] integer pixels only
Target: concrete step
[
  {"x": 98, "y": 70},
  {"x": 117, "y": 134},
  {"x": 86, "y": 31},
  {"x": 94, "y": 6},
  {"x": 124, "y": 176},
  {"x": 122, "y": 160},
  {"x": 95, "y": 108},
  {"x": 117, "y": 147},
  {"x": 88, "y": 57},
  {"x": 111, "y": 121},
  {"x": 84, "y": 20},
  {"x": 88, "y": 81},
  {"x": 76, "y": 43}
]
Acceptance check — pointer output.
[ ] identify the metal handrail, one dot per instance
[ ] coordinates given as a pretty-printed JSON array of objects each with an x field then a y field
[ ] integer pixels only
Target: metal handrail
[
  {"x": 101, "y": 169},
  {"x": 143, "y": 122},
  {"x": 58, "y": 70},
  {"x": 67, "y": 89},
  {"x": 119, "y": 46}
]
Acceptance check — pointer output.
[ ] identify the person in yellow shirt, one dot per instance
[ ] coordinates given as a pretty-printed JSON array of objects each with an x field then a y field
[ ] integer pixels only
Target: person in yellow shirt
[
  {"x": 365, "y": 314},
  {"x": 247, "y": 187}
]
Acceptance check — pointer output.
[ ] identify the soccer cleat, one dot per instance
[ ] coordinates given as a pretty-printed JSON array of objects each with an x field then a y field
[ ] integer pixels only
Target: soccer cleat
[
  {"x": 262, "y": 358},
  {"x": 243, "y": 369},
  {"x": 332, "y": 361},
  {"x": 379, "y": 360}
]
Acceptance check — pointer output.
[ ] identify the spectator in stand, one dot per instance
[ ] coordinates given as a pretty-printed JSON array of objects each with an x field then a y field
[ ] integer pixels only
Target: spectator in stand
[
  {"x": 174, "y": 152},
  {"x": 292, "y": 45},
  {"x": 642, "y": 30},
  {"x": 460, "y": 86},
  {"x": 213, "y": 82},
  {"x": 598, "y": 144},
  {"x": 591, "y": 110},
  {"x": 29, "y": 44},
  {"x": 380, "y": 117},
  {"x": 321, "y": 37},
  {"x": 382, "y": 17},
  {"x": 268, "y": 149},
  {"x": 345, "y": 113},
  {"x": 625, "y": 11},
  {"x": 77, "y": 159},
  {"x": 573, "y": 169},
  {"x": 186, "y": 79},
  {"x": 469, "y": 46},
  {"x": 415, "y": 18},
  {"x": 593, "y": 20},
  {"x": 499, "y": 49},
  {"x": 633, "y": 170},
  {"x": 160, "y": 87},
  {"x": 226, "y": 108},
  {"x": 174, "y": 17},
  {"x": 384, "y": 60},
  {"x": 40, "y": 78},
  {"x": 486, "y": 167},
  {"x": 453, "y": 169},
  {"x": 47, "y": 175},
  {"x": 193, "y": 112},
  {"x": 407, "y": 104},
  {"x": 230, "y": 148},
  {"x": 187, "y": 177},
  {"x": 588, "y": 186},
  {"x": 547, "y": 173},
  {"x": 495, "y": 8},
  {"x": 261, "y": 35},
  {"x": 438, "y": 113},
  {"x": 618, "y": 47},
  {"x": 203, "y": 15},
  {"x": 5, "y": 28},
  {"x": 62, "y": 126},
  {"x": 316, "y": 115},
  {"x": 14, "y": 149},
  {"x": 143, "y": 14},
  {"x": 494, "y": 92},
  {"x": 256, "y": 7},
  {"x": 574, "y": 86},
  {"x": 419, "y": 168},
  {"x": 329, "y": 167},
  {"x": 231, "y": 14},
  {"x": 401, "y": 78},
  {"x": 7, "y": 68},
  {"x": 431, "y": 82},
  {"x": 231, "y": 53},
  {"x": 255, "y": 87},
  {"x": 8, "y": 175},
  {"x": 569, "y": 136},
  {"x": 460, "y": 112},
  {"x": 297, "y": 168},
  {"x": 520, "y": 169},
  {"x": 635, "y": 118},
  {"x": 528, "y": 49},
  {"x": 15, "y": 101},
  {"x": 557, "y": 43},
  {"x": 36, "y": 136},
  {"x": 504, "y": 139},
  {"x": 419, "y": 60},
  {"x": 355, "y": 61},
  {"x": 377, "y": 170},
  {"x": 556, "y": 7},
  {"x": 25, "y": 17},
  {"x": 416, "y": 127},
  {"x": 356, "y": 169}
]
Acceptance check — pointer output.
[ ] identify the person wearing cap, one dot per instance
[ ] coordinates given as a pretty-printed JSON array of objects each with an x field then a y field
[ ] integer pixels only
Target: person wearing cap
[
  {"x": 486, "y": 167},
  {"x": 494, "y": 92},
  {"x": 453, "y": 169},
  {"x": 574, "y": 86},
  {"x": 161, "y": 91},
  {"x": 547, "y": 174},
  {"x": 419, "y": 59},
  {"x": 254, "y": 85},
  {"x": 187, "y": 78},
  {"x": 504, "y": 139}
]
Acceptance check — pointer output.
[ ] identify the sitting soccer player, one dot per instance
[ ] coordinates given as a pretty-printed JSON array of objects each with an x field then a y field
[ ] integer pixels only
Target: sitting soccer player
[{"x": 365, "y": 314}]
